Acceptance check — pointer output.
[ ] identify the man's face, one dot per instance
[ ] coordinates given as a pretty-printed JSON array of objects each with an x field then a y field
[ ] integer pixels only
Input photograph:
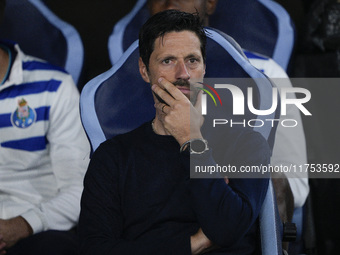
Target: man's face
[
  {"x": 189, "y": 6},
  {"x": 177, "y": 57}
]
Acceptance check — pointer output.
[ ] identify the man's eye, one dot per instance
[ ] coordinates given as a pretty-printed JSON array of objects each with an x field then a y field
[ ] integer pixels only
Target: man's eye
[
  {"x": 193, "y": 60},
  {"x": 166, "y": 61}
]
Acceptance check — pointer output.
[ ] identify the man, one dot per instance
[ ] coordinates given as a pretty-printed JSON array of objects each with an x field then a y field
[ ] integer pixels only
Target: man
[
  {"x": 43, "y": 155},
  {"x": 138, "y": 196},
  {"x": 289, "y": 146}
]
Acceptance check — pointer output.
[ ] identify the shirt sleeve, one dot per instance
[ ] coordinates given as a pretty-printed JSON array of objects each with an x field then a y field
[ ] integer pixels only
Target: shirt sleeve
[
  {"x": 69, "y": 153},
  {"x": 101, "y": 220},
  {"x": 222, "y": 207}
]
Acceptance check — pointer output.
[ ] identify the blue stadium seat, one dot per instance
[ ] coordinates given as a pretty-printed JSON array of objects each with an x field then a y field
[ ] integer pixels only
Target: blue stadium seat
[
  {"x": 261, "y": 26},
  {"x": 118, "y": 101},
  {"x": 270, "y": 225},
  {"x": 40, "y": 33}
]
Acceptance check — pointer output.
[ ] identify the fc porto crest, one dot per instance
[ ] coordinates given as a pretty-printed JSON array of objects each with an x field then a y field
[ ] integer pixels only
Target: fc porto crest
[{"x": 24, "y": 116}]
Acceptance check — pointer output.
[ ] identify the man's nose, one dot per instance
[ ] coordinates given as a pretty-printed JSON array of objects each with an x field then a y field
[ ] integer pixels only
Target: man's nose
[{"x": 182, "y": 71}]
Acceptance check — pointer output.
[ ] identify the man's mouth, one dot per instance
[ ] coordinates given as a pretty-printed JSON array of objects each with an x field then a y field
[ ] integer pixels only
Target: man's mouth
[{"x": 184, "y": 89}]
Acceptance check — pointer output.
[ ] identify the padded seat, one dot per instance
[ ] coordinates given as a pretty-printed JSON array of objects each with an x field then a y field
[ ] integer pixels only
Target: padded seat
[{"x": 130, "y": 103}]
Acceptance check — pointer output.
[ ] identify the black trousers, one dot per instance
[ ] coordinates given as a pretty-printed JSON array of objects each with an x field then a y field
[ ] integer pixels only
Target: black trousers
[{"x": 50, "y": 242}]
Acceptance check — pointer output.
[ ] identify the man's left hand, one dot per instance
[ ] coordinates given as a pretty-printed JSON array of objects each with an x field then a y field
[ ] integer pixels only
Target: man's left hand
[{"x": 12, "y": 230}]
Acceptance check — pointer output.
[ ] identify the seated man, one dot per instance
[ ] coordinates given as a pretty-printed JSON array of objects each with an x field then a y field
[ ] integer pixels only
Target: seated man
[
  {"x": 289, "y": 147},
  {"x": 138, "y": 196},
  {"x": 43, "y": 155}
]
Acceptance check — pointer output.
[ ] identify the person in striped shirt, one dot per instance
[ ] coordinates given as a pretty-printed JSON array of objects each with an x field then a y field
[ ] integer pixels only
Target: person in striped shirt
[{"x": 43, "y": 155}]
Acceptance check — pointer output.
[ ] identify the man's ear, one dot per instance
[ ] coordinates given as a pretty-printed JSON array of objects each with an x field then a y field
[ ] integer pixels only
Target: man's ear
[
  {"x": 143, "y": 70},
  {"x": 210, "y": 6}
]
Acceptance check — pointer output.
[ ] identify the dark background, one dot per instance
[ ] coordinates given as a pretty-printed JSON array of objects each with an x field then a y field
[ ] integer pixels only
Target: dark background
[{"x": 94, "y": 21}]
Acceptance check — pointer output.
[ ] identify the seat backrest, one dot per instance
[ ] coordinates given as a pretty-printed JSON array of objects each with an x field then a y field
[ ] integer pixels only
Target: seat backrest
[
  {"x": 130, "y": 103},
  {"x": 118, "y": 101},
  {"x": 270, "y": 224},
  {"x": 263, "y": 27},
  {"x": 40, "y": 33}
]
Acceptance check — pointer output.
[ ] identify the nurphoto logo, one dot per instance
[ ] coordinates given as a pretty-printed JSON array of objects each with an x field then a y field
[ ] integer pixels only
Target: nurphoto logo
[{"x": 239, "y": 99}]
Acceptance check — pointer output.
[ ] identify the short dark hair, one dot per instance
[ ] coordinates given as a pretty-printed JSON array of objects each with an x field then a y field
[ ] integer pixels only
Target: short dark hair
[{"x": 165, "y": 22}]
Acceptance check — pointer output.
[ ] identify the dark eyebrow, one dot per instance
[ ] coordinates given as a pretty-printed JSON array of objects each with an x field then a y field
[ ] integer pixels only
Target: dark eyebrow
[
  {"x": 193, "y": 56},
  {"x": 166, "y": 57}
]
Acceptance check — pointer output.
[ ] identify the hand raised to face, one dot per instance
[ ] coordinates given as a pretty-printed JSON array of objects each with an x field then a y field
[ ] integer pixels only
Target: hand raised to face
[{"x": 178, "y": 115}]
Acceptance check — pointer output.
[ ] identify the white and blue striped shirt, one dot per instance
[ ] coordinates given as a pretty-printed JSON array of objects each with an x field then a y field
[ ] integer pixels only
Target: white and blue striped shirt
[{"x": 43, "y": 147}]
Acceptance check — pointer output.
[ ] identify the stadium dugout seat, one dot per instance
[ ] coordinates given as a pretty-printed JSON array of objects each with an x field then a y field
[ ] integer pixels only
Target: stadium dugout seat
[
  {"x": 118, "y": 101},
  {"x": 261, "y": 26},
  {"x": 40, "y": 33}
]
